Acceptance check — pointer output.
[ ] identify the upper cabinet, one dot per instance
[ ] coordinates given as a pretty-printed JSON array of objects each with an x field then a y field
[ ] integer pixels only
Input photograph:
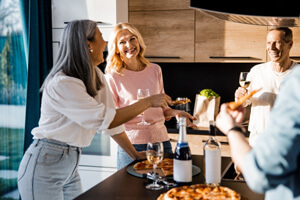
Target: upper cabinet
[
  {"x": 173, "y": 32},
  {"x": 138, "y": 5},
  {"x": 223, "y": 41},
  {"x": 167, "y": 28},
  {"x": 295, "y": 51},
  {"x": 106, "y": 13}
]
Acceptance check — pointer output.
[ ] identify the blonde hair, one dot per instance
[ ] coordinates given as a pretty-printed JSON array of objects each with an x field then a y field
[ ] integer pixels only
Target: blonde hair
[{"x": 114, "y": 61}]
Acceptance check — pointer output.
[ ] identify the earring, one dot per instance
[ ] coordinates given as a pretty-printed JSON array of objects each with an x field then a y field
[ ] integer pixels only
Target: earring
[{"x": 91, "y": 50}]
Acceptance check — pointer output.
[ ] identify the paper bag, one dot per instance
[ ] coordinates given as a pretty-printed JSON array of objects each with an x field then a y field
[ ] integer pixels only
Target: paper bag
[{"x": 205, "y": 110}]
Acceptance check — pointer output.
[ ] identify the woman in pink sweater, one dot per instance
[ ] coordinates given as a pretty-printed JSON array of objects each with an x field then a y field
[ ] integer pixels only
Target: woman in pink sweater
[{"x": 127, "y": 71}]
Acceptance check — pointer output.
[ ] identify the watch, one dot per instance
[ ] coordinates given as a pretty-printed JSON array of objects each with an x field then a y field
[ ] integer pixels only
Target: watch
[{"x": 236, "y": 128}]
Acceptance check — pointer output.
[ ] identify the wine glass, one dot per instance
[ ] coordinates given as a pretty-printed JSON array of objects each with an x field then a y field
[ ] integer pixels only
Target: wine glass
[
  {"x": 243, "y": 80},
  {"x": 143, "y": 93},
  {"x": 155, "y": 154}
]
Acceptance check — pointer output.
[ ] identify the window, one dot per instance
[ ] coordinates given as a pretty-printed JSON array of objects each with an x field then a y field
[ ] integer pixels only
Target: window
[{"x": 13, "y": 89}]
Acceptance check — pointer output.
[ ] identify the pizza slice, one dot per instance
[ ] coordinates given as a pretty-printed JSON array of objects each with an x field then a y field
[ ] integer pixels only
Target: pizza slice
[
  {"x": 234, "y": 105},
  {"x": 181, "y": 101},
  {"x": 143, "y": 165},
  {"x": 166, "y": 166}
]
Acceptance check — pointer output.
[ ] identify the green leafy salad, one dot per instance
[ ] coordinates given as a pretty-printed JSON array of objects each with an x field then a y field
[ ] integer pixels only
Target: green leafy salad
[{"x": 208, "y": 93}]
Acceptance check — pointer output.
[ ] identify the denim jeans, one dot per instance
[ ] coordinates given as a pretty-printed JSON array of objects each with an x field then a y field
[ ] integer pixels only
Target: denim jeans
[
  {"x": 123, "y": 159},
  {"x": 48, "y": 171}
]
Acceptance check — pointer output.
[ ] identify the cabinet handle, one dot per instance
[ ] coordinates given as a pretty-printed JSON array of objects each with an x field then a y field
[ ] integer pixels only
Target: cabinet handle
[
  {"x": 295, "y": 57},
  {"x": 98, "y": 22},
  {"x": 234, "y": 57},
  {"x": 164, "y": 57}
]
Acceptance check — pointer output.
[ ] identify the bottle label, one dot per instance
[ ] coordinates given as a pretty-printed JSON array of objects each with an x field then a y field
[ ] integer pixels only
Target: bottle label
[
  {"x": 182, "y": 144},
  {"x": 182, "y": 170},
  {"x": 213, "y": 166}
]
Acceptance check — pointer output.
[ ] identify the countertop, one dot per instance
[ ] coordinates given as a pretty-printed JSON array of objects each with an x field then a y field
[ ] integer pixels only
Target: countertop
[
  {"x": 172, "y": 128},
  {"x": 123, "y": 186}
]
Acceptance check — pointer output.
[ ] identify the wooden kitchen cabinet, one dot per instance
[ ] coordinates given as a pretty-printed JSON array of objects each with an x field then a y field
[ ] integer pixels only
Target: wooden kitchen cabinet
[
  {"x": 169, "y": 35},
  {"x": 138, "y": 5},
  {"x": 167, "y": 28},
  {"x": 223, "y": 41},
  {"x": 295, "y": 51}
]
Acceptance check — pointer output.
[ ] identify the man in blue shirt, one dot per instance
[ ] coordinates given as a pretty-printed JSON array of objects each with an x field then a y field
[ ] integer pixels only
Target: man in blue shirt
[{"x": 273, "y": 165}]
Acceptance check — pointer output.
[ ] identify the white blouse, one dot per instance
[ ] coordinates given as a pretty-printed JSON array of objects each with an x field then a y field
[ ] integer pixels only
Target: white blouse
[{"x": 69, "y": 114}]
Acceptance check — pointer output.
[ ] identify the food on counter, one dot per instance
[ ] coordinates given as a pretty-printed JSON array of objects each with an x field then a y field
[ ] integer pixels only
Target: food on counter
[
  {"x": 200, "y": 191},
  {"x": 181, "y": 101},
  {"x": 209, "y": 93},
  {"x": 166, "y": 166},
  {"x": 234, "y": 105}
]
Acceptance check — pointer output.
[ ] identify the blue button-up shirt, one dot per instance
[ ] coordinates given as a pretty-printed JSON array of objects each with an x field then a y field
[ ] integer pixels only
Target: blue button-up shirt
[{"x": 273, "y": 165}]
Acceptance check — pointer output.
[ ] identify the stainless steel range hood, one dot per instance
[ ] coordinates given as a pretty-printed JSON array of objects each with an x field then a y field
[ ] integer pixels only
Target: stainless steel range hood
[{"x": 264, "y": 13}]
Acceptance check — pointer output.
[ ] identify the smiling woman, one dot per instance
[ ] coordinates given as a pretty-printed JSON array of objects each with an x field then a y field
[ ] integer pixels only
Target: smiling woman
[{"x": 127, "y": 72}]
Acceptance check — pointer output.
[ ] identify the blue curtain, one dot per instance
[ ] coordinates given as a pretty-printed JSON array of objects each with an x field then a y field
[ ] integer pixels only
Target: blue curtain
[{"x": 37, "y": 26}]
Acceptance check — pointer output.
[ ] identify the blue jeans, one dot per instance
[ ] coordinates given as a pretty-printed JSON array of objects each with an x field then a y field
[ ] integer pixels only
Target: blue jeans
[
  {"x": 48, "y": 171},
  {"x": 123, "y": 159}
]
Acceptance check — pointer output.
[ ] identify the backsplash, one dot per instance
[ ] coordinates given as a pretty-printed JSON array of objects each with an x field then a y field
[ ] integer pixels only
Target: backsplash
[{"x": 188, "y": 79}]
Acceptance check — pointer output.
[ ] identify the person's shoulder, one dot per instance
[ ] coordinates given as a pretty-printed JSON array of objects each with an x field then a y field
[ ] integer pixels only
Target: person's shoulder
[
  {"x": 154, "y": 66},
  {"x": 60, "y": 80},
  {"x": 296, "y": 70},
  {"x": 112, "y": 75}
]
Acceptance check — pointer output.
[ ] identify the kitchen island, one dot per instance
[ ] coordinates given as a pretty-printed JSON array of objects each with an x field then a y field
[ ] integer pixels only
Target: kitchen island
[{"x": 122, "y": 185}]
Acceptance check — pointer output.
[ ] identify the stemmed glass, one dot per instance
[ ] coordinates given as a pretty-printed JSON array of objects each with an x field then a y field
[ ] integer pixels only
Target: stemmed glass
[
  {"x": 155, "y": 154},
  {"x": 143, "y": 93},
  {"x": 243, "y": 80}
]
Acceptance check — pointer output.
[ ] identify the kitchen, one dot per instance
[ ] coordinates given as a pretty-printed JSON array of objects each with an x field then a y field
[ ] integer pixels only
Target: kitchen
[{"x": 208, "y": 55}]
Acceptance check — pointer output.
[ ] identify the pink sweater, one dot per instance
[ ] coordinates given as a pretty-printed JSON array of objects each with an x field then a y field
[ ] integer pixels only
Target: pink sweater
[{"x": 124, "y": 88}]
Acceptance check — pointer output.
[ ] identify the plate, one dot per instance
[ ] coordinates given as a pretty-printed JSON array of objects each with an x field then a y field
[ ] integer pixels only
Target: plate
[{"x": 195, "y": 171}]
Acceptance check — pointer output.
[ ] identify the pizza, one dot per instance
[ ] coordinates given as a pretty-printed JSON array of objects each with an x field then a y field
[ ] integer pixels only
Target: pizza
[
  {"x": 181, "y": 101},
  {"x": 234, "y": 105},
  {"x": 166, "y": 166},
  {"x": 200, "y": 192}
]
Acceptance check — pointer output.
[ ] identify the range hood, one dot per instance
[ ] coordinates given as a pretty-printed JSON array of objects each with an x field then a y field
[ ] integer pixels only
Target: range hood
[{"x": 264, "y": 13}]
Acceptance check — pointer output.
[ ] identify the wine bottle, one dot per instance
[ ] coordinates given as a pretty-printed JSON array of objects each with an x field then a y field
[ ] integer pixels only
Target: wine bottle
[
  {"x": 212, "y": 157},
  {"x": 182, "y": 157}
]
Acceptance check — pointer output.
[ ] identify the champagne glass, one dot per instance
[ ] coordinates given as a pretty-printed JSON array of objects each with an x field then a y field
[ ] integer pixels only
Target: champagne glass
[
  {"x": 143, "y": 93},
  {"x": 155, "y": 154},
  {"x": 243, "y": 80}
]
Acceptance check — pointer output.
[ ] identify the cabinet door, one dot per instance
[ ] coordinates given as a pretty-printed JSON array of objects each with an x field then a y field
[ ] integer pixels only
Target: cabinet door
[
  {"x": 169, "y": 35},
  {"x": 107, "y": 13},
  {"x": 223, "y": 41},
  {"x": 295, "y": 51},
  {"x": 138, "y": 5}
]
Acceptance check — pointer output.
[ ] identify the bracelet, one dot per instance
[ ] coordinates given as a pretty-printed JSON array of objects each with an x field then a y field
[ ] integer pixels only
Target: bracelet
[{"x": 236, "y": 128}]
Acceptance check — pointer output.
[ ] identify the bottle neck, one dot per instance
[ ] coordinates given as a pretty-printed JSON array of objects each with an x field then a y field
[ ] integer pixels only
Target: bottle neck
[
  {"x": 212, "y": 130},
  {"x": 182, "y": 134}
]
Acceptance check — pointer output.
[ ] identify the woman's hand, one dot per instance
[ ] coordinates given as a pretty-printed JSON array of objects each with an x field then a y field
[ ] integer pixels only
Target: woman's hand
[
  {"x": 189, "y": 118},
  {"x": 169, "y": 113},
  {"x": 227, "y": 118},
  {"x": 140, "y": 155},
  {"x": 159, "y": 100}
]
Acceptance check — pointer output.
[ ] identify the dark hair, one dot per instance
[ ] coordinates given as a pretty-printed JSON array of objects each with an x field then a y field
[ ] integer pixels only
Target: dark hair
[
  {"x": 288, "y": 33},
  {"x": 74, "y": 57}
]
